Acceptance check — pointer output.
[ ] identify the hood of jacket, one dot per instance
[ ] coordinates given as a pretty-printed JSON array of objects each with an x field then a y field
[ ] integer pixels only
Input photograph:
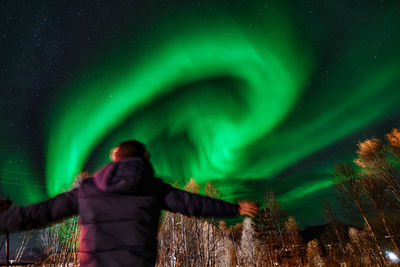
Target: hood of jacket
[{"x": 123, "y": 175}]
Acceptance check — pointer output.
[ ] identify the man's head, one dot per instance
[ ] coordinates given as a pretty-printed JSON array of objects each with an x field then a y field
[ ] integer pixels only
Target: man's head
[{"x": 129, "y": 149}]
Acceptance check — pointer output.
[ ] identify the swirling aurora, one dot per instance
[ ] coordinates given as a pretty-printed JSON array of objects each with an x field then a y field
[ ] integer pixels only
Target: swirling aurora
[{"x": 241, "y": 99}]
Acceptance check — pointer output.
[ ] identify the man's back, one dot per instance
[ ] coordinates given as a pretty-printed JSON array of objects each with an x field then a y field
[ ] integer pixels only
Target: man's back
[{"x": 119, "y": 210}]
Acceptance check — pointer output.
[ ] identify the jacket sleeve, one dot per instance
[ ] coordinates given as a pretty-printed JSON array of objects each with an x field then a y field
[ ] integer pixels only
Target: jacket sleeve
[
  {"x": 176, "y": 200},
  {"x": 40, "y": 214}
]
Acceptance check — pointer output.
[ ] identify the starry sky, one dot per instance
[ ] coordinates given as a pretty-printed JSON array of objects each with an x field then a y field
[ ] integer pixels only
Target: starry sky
[{"x": 251, "y": 95}]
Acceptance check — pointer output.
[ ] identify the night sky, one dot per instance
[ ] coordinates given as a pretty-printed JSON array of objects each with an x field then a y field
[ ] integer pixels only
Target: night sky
[{"x": 252, "y": 95}]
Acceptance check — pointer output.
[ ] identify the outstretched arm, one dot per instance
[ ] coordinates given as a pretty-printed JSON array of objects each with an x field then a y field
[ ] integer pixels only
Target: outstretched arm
[
  {"x": 40, "y": 214},
  {"x": 176, "y": 200}
]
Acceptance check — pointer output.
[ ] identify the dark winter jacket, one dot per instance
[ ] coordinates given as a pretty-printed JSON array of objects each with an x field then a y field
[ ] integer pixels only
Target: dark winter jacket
[{"x": 119, "y": 209}]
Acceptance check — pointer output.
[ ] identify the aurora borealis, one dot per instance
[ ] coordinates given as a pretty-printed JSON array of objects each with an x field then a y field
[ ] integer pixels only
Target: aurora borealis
[{"x": 267, "y": 95}]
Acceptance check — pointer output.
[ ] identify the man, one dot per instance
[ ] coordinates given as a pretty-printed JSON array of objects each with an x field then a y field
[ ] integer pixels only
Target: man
[{"x": 120, "y": 210}]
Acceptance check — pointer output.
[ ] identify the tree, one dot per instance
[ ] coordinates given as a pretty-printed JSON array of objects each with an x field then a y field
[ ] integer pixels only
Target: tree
[
  {"x": 362, "y": 249},
  {"x": 348, "y": 187},
  {"x": 372, "y": 186},
  {"x": 336, "y": 227},
  {"x": 226, "y": 247},
  {"x": 234, "y": 233},
  {"x": 249, "y": 245},
  {"x": 278, "y": 218},
  {"x": 393, "y": 139},
  {"x": 26, "y": 236},
  {"x": 277, "y": 215},
  {"x": 314, "y": 254},
  {"x": 170, "y": 239},
  {"x": 374, "y": 157},
  {"x": 375, "y": 179},
  {"x": 293, "y": 240},
  {"x": 61, "y": 241},
  {"x": 377, "y": 193},
  {"x": 190, "y": 241},
  {"x": 265, "y": 232}
]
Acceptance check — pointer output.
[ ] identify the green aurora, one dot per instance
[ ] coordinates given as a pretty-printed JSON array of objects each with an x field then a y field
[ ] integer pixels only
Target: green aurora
[
  {"x": 230, "y": 99},
  {"x": 220, "y": 122}
]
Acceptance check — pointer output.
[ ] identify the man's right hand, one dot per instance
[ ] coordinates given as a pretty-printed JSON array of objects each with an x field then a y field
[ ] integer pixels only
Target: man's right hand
[{"x": 248, "y": 208}]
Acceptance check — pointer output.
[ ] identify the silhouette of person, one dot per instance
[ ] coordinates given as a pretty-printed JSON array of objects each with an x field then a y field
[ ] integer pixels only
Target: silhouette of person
[{"x": 119, "y": 209}]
